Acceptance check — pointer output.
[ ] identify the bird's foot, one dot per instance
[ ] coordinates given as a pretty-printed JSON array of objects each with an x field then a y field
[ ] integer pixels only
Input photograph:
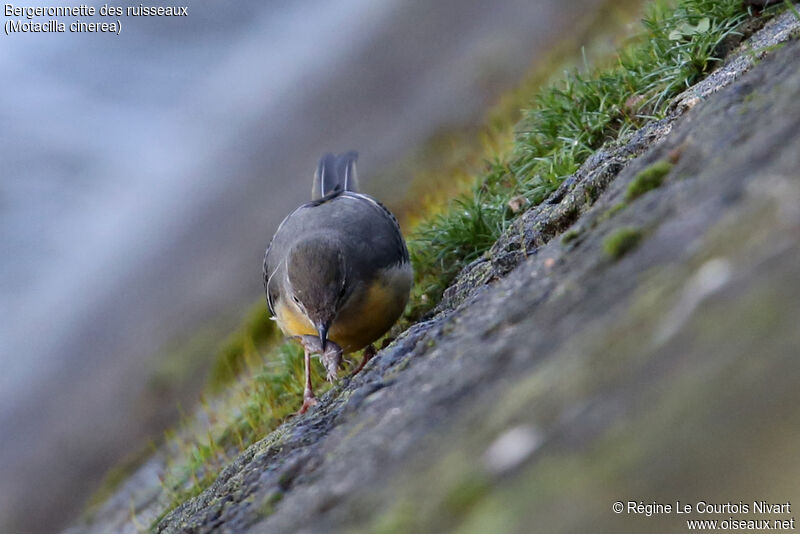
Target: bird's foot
[
  {"x": 369, "y": 353},
  {"x": 307, "y": 403},
  {"x": 309, "y": 400}
]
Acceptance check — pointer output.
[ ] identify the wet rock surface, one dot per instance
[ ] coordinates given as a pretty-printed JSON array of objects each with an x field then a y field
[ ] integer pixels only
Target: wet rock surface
[{"x": 558, "y": 377}]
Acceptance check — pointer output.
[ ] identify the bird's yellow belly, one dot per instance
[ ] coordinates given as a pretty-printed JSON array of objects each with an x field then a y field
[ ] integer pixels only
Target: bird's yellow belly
[
  {"x": 375, "y": 311},
  {"x": 292, "y": 321},
  {"x": 367, "y": 317}
]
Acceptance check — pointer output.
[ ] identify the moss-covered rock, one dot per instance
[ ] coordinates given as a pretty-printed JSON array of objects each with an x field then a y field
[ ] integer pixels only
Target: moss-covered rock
[
  {"x": 553, "y": 382},
  {"x": 621, "y": 241}
]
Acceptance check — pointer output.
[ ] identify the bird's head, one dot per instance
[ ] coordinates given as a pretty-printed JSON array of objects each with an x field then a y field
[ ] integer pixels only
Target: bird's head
[{"x": 317, "y": 281}]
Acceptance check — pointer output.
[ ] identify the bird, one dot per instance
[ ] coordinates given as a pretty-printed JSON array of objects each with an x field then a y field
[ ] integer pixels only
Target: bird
[{"x": 337, "y": 273}]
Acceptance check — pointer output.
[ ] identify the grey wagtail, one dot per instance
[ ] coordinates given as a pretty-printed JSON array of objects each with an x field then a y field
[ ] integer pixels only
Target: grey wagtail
[{"x": 337, "y": 274}]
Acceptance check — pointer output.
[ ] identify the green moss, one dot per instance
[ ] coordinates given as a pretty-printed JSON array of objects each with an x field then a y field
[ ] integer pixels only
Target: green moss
[
  {"x": 648, "y": 179},
  {"x": 268, "y": 506},
  {"x": 400, "y": 519},
  {"x": 622, "y": 241},
  {"x": 463, "y": 496},
  {"x": 569, "y": 236}
]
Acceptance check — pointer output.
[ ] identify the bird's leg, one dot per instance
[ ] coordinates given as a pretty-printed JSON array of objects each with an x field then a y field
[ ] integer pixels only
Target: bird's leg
[
  {"x": 309, "y": 399},
  {"x": 369, "y": 353},
  {"x": 331, "y": 358}
]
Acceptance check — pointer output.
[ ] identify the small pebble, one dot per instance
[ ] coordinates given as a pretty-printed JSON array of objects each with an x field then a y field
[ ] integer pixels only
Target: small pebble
[{"x": 511, "y": 449}]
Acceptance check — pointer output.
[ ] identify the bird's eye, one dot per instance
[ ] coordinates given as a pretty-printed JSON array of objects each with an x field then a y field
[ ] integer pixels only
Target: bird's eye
[{"x": 296, "y": 300}]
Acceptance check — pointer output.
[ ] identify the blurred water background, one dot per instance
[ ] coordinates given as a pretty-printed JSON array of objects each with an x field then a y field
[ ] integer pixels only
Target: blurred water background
[{"x": 143, "y": 176}]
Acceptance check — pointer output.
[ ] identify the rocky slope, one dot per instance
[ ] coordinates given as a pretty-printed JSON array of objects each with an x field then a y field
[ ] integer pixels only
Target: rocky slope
[{"x": 632, "y": 338}]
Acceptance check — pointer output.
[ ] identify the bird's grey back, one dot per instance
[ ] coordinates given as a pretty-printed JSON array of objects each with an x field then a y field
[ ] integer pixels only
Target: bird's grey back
[
  {"x": 363, "y": 224},
  {"x": 368, "y": 233}
]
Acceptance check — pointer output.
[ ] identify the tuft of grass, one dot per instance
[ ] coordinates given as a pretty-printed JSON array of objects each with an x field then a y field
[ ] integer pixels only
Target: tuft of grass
[
  {"x": 242, "y": 347},
  {"x": 622, "y": 241},
  {"x": 791, "y": 7},
  {"x": 648, "y": 179},
  {"x": 564, "y": 124}
]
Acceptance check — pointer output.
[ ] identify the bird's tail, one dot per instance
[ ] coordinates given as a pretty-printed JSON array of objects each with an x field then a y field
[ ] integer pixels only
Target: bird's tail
[{"x": 335, "y": 173}]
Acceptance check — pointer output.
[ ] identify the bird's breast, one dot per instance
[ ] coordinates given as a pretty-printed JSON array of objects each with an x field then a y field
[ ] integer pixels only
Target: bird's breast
[
  {"x": 369, "y": 314},
  {"x": 373, "y": 309},
  {"x": 292, "y": 321}
]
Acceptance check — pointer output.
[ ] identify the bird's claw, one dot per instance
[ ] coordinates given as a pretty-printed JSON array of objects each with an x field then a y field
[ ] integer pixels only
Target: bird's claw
[{"x": 308, "y": 402}]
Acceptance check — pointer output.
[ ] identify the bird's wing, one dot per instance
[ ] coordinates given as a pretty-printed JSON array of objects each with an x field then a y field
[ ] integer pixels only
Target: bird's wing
[
  {"x": 394, "y": 250},
  {"x": 273, "y": 257}
]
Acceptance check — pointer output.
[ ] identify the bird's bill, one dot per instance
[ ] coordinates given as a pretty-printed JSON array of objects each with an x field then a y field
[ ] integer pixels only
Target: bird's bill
[{"x": 322, "y": 331}]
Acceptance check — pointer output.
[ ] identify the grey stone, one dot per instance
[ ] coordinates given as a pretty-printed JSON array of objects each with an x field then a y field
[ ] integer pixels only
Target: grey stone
[{"x": 668, "y": 373}]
